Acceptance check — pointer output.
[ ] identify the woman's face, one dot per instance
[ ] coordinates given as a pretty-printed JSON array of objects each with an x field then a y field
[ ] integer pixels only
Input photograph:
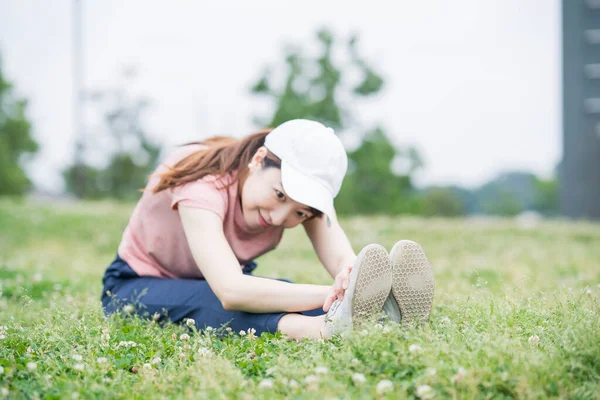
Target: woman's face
[{"x": 264, "y": 202}]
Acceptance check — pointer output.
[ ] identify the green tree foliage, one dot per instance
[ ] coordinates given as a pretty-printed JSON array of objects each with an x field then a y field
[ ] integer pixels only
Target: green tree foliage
[
  {"x": 131, "y": 155},
  {"x": 313, "y": 86},
  {"x": 312, "y": 89},
  {"x": 546, "y": 199},
  {"x": 443, "y": 202},
  {"x": 16, "y": 141},
  {"x": 508, "y": 194},
  {"x": 370, "y": 186}
]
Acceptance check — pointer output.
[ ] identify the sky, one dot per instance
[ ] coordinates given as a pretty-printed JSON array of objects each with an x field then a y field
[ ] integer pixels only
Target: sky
[{"x": 474, "y": 85}]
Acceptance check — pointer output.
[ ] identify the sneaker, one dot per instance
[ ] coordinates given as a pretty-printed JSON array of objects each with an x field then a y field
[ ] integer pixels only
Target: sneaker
[
  {"x": 411, "y": 296},
  {"x": 369, "y": 285}
]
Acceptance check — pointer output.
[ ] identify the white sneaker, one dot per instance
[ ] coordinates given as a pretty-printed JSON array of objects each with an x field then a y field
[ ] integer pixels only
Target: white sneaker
[
  {"x": 369, "y": 285},
  {"x": 411, "y": 296}
]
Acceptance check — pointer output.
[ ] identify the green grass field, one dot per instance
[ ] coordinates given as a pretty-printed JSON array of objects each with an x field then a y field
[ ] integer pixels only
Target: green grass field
[{"x": 516, "y": 315}]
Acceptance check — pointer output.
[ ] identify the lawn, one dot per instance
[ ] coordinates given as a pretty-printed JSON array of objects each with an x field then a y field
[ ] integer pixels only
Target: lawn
[{"x": 516, "y": 315}]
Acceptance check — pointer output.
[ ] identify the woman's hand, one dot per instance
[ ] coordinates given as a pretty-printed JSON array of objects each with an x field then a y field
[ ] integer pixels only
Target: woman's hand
[{"x": 340, "y": 284}]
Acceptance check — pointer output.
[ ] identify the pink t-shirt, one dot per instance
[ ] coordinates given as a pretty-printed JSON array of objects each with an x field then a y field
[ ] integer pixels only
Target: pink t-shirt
[{"x": 154, "y": 243}]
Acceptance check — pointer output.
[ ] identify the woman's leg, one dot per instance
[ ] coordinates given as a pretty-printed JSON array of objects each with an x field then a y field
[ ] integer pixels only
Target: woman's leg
[
  {"x": 298, "y": 326},
  {"x": 179, "y": 299}
]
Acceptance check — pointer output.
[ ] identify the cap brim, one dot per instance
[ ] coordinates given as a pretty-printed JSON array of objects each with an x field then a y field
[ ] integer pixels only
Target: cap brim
[{"x": 306, "y": 190}]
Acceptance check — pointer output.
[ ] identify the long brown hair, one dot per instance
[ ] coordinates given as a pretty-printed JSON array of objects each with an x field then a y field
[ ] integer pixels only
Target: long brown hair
[{"x": 222, "y": 155}]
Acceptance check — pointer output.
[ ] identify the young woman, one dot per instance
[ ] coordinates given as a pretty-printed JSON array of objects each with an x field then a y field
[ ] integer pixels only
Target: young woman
[{"x": 214, "y": 206}]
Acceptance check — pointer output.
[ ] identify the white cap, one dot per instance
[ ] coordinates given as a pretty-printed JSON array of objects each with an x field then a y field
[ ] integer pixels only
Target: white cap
[{"x": 313, "y": 162}]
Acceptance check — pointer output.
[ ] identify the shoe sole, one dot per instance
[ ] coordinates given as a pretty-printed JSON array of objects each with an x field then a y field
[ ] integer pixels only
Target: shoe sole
[
  {"x": 412, "y": 282},
  {"x": 372, "y": 284}
]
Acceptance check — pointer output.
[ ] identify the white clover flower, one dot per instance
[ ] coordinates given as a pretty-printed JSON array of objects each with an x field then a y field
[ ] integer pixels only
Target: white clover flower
[
  {"x": 184, "y": 337},
  {"x": 228, "y": 329},
  {"x": 190, "y": 322},
  {"x": 78, "y": 367},
  {"x": 132, "y": 344},
  {"x": 4, "y": 392},
  {"x": 364, "y": 332},
  {"x": 311, "y": 379},
  {"x": 431, "y": 372},
  {"x": 30, "y": 350},
  {"x": 589, "y": 291},
  {"x": 271, "y": 370},
  {"x": 129, "y": 308},
  {"x": 105, "y": 330},
  {"x": 123, "y": 344},
  {"x": 387, "y": 329},
  {"x": 77, "y": 357},
  {"x": 156, "y": 360},
  {"x": 358, "y": 378},
  {"x": 534, "y": 340},
  {"x": 415, "y": 349},
  {"x": 147, "y": 366},
  {"x": 460, "y": 374},
  {"x": 445, "y": 321},
  {"x": 265, "y": 384},
  {"x": 155, "y": 316},
  {"x": 293, "y": 384},
  {"x": 384, "y": 386},
  {"x": 321, "y": 370},
  {"x": 204, "y": 352},
  {"x": 209, "y": 329},
  {"x": 31, "y": 366},
  {"x": 242, "y": 332},
  {"x": 1, "y": 369},
  {"x": 105, "y": 337},
  {"x": 75, "y": 395},
  {"x": 251, "y": 331},
  {"x": 425, "y": 392},
  {"x": 2, "y": 337},
  {"x": 101, "y": 360},
  {"x": 354, "y": 361}
]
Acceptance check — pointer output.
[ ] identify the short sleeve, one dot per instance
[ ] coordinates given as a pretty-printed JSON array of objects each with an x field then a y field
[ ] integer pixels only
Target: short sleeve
[{"x": 202, "y": 193}]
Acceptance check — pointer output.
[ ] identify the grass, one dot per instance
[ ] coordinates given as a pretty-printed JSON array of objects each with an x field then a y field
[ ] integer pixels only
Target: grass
[{"x": 516, "y": 315}]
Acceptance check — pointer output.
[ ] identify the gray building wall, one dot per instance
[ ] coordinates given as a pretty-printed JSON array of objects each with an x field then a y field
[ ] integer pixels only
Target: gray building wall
[{"x": 580, "y": 167}]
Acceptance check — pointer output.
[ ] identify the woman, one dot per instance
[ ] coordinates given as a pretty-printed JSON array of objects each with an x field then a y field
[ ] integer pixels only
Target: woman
[{"x": 214, "y": 206}]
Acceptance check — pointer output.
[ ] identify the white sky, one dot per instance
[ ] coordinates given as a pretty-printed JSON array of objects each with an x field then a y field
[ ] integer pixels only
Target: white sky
[{"x": 473, "y": 84}]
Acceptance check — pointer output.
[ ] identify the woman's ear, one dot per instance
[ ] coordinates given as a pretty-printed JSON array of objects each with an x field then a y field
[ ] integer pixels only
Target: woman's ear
[{"x": 259, "y": 157}]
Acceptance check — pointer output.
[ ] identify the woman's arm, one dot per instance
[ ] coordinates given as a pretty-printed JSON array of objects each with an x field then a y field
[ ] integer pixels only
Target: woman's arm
[
  {"x": 331, "y": 244},
  {"x": 221, "y": 269}
]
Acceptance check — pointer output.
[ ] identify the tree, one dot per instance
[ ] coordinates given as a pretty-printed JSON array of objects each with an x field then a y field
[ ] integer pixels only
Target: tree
[
  {"x": 16, "y": 141},
  {"x": 370, "y": 186},
  {"x": 131, "y": 155},
  {"x": 546, "y": 199},
  {"x": 313, "y": 89},
  {"x": 442, "y": 201}
]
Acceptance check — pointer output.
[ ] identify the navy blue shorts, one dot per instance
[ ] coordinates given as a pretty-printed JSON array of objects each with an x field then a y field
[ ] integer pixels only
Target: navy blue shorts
[{"x": 178, "y": 299}]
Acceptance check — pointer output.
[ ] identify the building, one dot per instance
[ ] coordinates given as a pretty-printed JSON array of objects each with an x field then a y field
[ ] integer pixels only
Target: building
[{"x": 580, "y": 166}]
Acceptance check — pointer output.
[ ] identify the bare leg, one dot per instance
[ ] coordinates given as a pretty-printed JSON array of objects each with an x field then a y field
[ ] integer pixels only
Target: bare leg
[{"x": 298, "y": 326}]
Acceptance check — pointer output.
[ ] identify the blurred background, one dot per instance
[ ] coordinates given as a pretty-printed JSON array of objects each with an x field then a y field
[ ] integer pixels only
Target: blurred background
[{"x": 446, "y": 108}]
